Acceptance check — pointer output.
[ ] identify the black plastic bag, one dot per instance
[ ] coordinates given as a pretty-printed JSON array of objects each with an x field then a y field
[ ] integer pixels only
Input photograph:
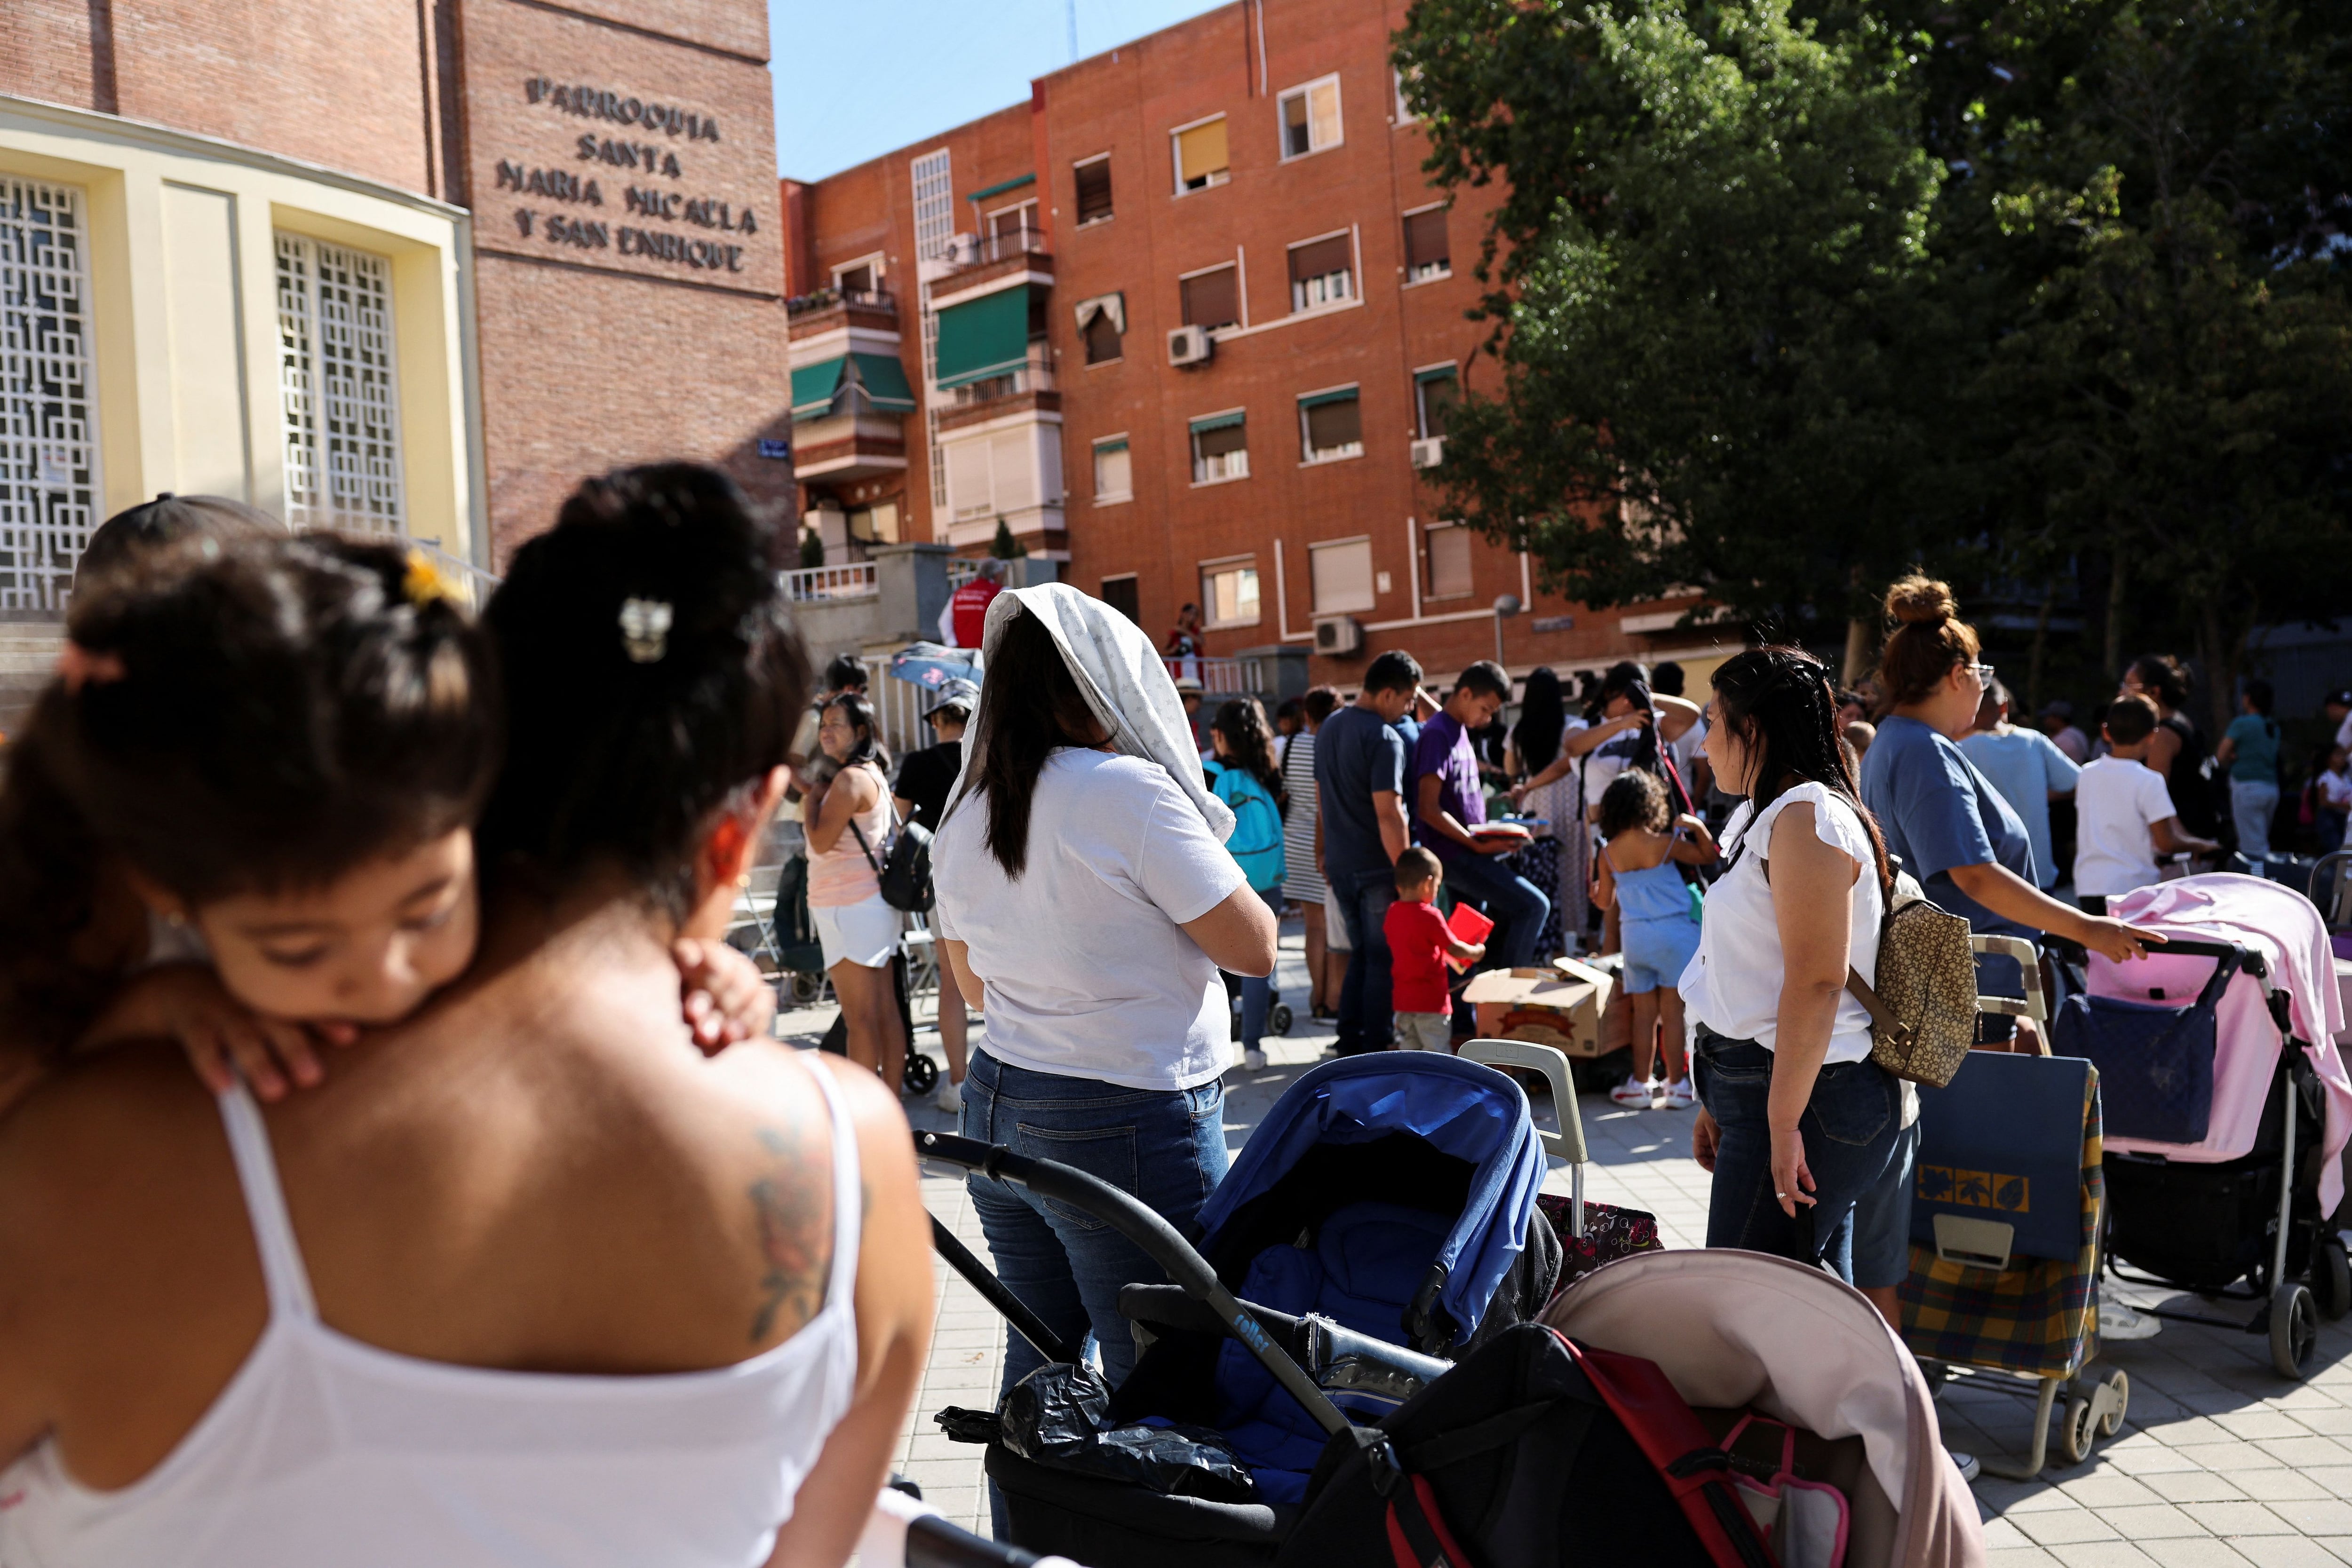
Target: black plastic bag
[{"x": 1059, "y": 1415}]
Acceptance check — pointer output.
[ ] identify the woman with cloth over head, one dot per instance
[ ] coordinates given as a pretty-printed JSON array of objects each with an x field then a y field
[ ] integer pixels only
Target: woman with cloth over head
[{"x": 1086, "y": 901}]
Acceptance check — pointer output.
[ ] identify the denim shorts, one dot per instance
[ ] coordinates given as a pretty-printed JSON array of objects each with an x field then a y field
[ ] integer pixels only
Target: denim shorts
[
  {"x": 1850, "y": 1128},
  {"x": 1882, "y": 1219},
  {"x": 1656, "y": 952}
]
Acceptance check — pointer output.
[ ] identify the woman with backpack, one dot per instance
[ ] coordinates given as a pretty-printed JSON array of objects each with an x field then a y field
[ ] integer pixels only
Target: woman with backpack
[
  {"x": 1797, "y": 1121},
  {"x": 1244, "y": 778},
  {"x": 849, "y": 815}
]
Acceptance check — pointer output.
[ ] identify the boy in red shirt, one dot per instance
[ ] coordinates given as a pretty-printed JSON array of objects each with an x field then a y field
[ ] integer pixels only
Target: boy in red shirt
[{"x": 1419, "y": 945}]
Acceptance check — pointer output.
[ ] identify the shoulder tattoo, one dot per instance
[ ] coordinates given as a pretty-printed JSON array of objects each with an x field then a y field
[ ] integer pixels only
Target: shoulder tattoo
[{"x": 789, "y": 1207}]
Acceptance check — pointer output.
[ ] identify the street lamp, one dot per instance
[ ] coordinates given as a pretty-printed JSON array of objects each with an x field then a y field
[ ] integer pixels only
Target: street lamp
[{"x": 1505, "y": 606}]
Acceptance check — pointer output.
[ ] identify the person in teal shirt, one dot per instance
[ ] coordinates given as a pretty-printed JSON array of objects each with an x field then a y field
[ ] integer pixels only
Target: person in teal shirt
[{"x": 2250, "y": 751}]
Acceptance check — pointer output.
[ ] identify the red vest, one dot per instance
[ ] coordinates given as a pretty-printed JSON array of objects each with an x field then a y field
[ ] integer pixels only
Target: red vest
[{"x": 970, "y": 607}]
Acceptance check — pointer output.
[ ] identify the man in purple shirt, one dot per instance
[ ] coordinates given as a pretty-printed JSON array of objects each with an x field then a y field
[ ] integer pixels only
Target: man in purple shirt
[{"x": 1450, "y": 818}]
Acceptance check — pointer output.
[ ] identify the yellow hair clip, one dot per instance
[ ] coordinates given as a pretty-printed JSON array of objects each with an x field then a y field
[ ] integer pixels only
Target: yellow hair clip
[{"x": 424, "y": 582}]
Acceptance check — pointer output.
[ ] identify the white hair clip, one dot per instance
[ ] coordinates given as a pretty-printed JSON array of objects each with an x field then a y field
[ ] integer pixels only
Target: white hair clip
[{"x": 644, "y": 629}]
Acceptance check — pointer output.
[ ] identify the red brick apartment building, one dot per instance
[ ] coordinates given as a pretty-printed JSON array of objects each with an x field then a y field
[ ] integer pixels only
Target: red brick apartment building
[
  {"x": 1187, "y": 321},
  {"x": 413, "y": 266}
]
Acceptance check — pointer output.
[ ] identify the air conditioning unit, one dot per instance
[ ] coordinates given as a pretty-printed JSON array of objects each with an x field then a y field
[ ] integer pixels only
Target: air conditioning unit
[
  {"x": 1338, "y": 635},
  {"x": 1429, "y": 453},
  {"x": 962, "y": 250},
  {"x": 1189, "y": 346}
]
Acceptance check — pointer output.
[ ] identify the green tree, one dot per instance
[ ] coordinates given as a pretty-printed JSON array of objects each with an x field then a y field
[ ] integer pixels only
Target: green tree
[
  {"x": 811, "y": 549},
  {"x": 1003, "y": 546},
  {"x": 1723, "y": 361}
]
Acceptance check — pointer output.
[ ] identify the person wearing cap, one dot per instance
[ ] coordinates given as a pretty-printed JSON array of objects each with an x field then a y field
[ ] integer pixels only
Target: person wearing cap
[
  {"x": 1188, "y": 692},
  {"x": 2339, "y": 714},
  {"x": 926, "y": 778}
]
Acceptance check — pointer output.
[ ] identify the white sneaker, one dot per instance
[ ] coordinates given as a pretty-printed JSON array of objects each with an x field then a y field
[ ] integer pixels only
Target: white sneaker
[
  {"x": 2118, "y": 1321},
  {"x": 1631, "y": 1093},
  {"x": 1253, "y": 1060},
  {"x": 1969, "y": 1468},
  {"x": 951, "y": 1096},
  {"x": 1679, "y": 1097}
]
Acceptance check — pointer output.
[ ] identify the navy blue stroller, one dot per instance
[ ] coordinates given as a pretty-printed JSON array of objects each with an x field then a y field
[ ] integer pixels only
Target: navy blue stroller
[{"x": 1380, "y": 1222}]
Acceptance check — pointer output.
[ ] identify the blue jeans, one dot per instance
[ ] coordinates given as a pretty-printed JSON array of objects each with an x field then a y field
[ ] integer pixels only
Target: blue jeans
[
  {"x": 1507, "y": 898},
  {"x": 1165, "y": 1146},
  {"x": 1850, "y": 1128},
  {"x": 1366, "y": 997}
]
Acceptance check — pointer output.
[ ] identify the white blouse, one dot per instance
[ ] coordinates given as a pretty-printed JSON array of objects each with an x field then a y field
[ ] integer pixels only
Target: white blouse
[{"x": 1732, "y": 983}]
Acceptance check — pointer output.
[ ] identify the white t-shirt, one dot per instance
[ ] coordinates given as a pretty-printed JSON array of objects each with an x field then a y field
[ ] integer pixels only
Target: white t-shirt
[
  {"x": 1086, "y": 968},
  {"x": 2115, "y": 801},
  {"x": 2335, "y": 790},
  {"x": 1732, "y": 983}
]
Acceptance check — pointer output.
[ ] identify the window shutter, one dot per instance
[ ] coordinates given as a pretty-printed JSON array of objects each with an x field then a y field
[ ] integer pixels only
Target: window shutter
[
  {"x": 1334, "y": 424},
  {"x": 1212, "y": 298},
  {"x": 1321, "y": 256},
  {"x": 1425, "y": 245},
  {"x": 1343, "y": 576},
  {"x": 1094, "y": 189},
  {"x": 1449, "y": 562},
  {"x": 1201, "y": 154}
]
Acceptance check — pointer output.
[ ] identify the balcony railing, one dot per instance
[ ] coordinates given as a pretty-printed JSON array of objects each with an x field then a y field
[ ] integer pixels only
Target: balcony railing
[
  {"x": 826, "y": 298},
  {"x": 1219, "y": 674},
  {"x": 829, "y": 584},
  {"x": 1035, "y": 375},
  {"x": 967, "y": 251}
]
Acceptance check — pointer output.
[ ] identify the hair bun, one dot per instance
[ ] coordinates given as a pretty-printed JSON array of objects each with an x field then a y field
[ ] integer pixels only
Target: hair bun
[{"x": 1918, "y": 601}]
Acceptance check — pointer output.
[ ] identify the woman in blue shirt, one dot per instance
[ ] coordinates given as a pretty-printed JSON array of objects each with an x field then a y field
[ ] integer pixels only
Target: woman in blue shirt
[
  {"x": 2250, "y": 752},
  {"x": 1244, "y": 777}
]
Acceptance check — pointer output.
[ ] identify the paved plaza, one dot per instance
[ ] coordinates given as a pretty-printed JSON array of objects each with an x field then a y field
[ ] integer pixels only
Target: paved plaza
[{"x": 2222, "y": 1463}]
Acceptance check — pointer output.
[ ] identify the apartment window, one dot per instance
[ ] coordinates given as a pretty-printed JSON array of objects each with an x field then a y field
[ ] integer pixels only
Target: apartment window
[
  {"x": 1094, "y": 189},
  {"x": 1322, "y": 272},
  {"x": 1445, "y": 561},
  {"x": 861, "y": 276},
  {"x": 1012, "y": 226},
  {"x": 337, "y": 397},
  {"x": 993, "y": 475},
  {"x": 1402, "y": 82},
  {"x": 1200, "y": 156},
  {"x": 1102, "y": 324},
  {"x": 1120, "y": 593},
  {"x": 1427, "y": 254},
  {"x": 1212, "y": 298},
  {"x": 1331, "y": 425},
  {"x": 50, "y": 487},
  {"x": 1342, "y": 576},
  {"x": 1434, "y": 392},
  {"x": 934, "y": 189},
  {"x": 1114, "y": 471},
  {"x": 1310, "y": 118},
  {"x": 1229, "y": 594},
  {"x": 1219, "y": 448},
  {"x": 875, "y": 525}
]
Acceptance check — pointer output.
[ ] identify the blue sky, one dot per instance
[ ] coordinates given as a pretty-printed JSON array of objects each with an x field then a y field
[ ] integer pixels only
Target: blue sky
[{"x": 857, "y": 77}]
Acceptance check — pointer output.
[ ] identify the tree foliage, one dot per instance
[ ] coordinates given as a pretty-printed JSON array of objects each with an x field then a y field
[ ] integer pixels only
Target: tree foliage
[{"x": 1786, "y": 300}]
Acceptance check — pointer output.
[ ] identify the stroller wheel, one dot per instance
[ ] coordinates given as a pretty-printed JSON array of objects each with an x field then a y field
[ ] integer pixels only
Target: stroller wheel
[
  {"x": 2294, "y": 1328},
  {"x": 922, "y": 1073},
  {"x": 1277, "y": 1021},
  {"x": 806, "y": 989},
  {"x": 2081, "y": 1431},
  {"x": 2331, "y": 1278}
]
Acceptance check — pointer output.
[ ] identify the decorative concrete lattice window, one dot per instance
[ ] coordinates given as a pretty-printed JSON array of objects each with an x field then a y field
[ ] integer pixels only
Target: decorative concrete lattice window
[
  {"x": 338, "y": 387},
  {"x": 50, "y": 480},
  {"x": 934, "y": 185}
]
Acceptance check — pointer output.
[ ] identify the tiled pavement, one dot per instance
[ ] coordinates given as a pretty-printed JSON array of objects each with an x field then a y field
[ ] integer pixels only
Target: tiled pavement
[{"x": 2222, "y": 1463}]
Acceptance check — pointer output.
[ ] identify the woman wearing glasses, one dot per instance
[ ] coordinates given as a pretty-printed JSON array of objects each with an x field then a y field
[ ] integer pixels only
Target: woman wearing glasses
[{"x": 1947, "y": 826}]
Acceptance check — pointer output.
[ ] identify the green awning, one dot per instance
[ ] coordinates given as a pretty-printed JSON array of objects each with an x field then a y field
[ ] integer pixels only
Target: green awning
[
  {"x": 814, "y": 386},
  {"x": 1218, "y": 421},
  {"x": 1442, "y": 373},
  {"x": 1317, "y": 400},
  {"x": 984, "y": 337},
  {"x": 1001, "y": 186},
  {"x": 885, "y": 381}
]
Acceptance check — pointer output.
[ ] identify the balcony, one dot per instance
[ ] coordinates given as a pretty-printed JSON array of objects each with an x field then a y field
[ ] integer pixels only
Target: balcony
[
  {"x": 845, "y": 446},
  {"x": 831, "y": 584},
  {"x": 975, "y": 264},
  {"x": 869, "y": 310},
  {"x": 1030, "y": 386}
]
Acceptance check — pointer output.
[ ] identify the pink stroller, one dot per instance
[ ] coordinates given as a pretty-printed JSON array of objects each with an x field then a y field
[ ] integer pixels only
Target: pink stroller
[{"x": 2223, "y": 1147}]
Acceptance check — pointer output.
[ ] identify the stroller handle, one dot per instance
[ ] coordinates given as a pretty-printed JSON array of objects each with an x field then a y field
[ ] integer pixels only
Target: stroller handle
[
  {"x": 2247, "y": 959},
  {"x": 1160, "y": 1240}
]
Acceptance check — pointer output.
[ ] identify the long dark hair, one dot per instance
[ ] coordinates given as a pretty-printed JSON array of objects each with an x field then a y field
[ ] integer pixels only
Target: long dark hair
[
  {"x": 1029, "y": 704},
  {"x": 249, "y": 715},
  {"x": 1543, "y": 720},
  {"x": 869, "y": 746},
  {"x": 1243, "y": 723},
  {"x": 1781, "y": 704},
  {"x": 654, "y": 674}
]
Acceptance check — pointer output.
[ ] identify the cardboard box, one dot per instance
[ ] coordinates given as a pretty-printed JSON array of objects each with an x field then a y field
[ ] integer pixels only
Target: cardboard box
[{"x": 1561, "y": 1005}]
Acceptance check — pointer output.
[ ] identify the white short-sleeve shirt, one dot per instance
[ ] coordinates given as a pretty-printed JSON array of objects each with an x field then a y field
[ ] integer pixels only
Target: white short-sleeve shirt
[
  {"x": 1086, "y": 968},
  {"x": 1732, "y": 983},
  {"x": 2115, "y": 803}
]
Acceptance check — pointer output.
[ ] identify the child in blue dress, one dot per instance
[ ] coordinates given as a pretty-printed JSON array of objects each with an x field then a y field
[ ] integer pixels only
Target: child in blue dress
[{"x": 1658, "y": 922}]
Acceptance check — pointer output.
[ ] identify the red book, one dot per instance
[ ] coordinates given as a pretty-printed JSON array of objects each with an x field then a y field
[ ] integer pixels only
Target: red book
[{"x": 1469, "y": 927}]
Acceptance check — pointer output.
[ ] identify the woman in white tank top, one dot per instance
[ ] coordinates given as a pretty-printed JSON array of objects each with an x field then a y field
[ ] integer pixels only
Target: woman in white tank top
[{"x": 528, "y": 1280}]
